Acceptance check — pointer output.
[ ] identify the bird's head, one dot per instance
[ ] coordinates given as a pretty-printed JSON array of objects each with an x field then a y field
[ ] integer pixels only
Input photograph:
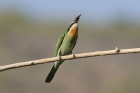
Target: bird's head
[{"x": 76, "y": 19}]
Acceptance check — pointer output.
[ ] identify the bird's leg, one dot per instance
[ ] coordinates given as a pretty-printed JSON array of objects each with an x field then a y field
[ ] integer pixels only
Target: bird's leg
[
  {"x": 72, "y": 53},
  {"x": 59, "y": 57}
]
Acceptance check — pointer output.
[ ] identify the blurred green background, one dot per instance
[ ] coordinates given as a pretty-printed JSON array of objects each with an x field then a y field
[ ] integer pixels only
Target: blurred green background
[{"x": 29, "y": 30}]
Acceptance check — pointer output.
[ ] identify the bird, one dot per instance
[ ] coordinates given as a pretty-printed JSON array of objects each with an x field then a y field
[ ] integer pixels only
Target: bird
[{"x": 64, "y": 46}]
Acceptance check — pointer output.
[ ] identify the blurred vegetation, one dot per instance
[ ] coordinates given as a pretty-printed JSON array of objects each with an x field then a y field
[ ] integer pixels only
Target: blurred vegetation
[{"x": 24, "y": 39}]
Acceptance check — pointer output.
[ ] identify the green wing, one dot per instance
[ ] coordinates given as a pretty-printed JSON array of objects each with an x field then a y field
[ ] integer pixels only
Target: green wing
[
  {"x": 73, "y": 46},
  {"x": 58, "y": 44}
]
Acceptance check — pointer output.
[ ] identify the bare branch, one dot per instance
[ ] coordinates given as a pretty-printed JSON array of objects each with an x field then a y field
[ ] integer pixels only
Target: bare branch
[{"x": 69, "y": 57}]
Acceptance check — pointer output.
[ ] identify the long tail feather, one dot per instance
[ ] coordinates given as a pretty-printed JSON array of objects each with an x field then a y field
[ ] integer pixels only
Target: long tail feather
[{"x": 51, "y": 74}]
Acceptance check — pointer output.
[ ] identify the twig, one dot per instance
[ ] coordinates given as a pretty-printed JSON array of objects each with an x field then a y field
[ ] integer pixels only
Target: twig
[{"x": 69, "y": 57}]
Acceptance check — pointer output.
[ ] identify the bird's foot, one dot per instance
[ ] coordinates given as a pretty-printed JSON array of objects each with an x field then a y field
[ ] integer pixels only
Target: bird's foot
[
  {"x": 59, "y": 57},
  {"x": 73, "y": 55}
]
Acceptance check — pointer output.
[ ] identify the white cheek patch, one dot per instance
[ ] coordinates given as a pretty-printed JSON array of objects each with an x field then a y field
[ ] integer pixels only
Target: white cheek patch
[{"x": 75, "y": 25}]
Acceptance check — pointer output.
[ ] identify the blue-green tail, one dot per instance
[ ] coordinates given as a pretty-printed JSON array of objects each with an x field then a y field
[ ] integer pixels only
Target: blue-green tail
[{"x": 51, "y": 74}]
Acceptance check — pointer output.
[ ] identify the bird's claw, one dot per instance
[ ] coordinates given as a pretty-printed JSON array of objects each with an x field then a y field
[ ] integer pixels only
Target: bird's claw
[
  {"x": 73, "y": 55},
  {"x": 59, "y": 57}
]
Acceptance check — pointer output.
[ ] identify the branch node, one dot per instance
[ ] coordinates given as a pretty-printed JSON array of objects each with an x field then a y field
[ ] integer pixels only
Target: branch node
[
  {"x": 117, "y": 49},
  {"x": 32, "y": 63},
  {"x": 102, "y": 53}
]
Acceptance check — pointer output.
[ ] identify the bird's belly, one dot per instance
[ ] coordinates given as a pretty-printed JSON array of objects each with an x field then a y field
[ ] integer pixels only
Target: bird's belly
[
  {"x": 66, "y": 49},
  {"x": 67, "y": 46}
]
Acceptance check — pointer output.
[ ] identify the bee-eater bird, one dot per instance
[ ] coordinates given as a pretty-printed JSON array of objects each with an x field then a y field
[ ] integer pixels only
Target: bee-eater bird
[{"x": 64, "y": 46}]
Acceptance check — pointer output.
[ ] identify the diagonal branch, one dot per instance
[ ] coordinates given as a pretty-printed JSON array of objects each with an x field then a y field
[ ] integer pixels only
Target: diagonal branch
[{"x": 69, "y": 57}]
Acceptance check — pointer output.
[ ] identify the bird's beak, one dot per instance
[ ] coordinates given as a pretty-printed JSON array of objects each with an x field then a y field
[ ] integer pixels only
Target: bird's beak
[{"x": 77, "y": 18}]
